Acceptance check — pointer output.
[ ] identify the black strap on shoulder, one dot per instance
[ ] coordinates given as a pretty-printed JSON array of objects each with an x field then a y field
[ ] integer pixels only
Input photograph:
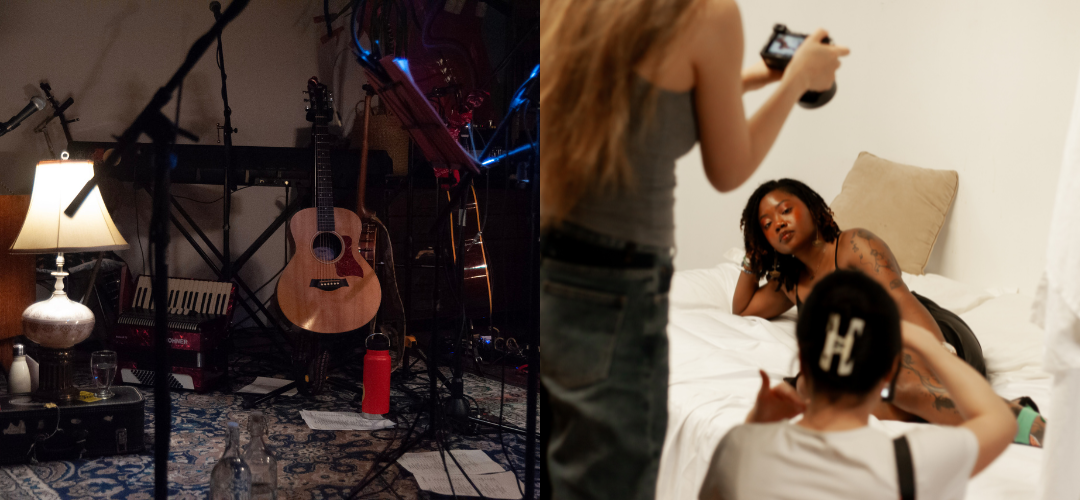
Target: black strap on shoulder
[
  {"x": 904, "y": 470},
  {"x": 836, "y": 253}
]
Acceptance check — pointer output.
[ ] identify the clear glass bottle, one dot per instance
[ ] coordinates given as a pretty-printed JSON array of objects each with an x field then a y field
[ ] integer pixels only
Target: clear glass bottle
[
  {"x": 231, "y": 477},
  {"x": 262, "y": 462}
]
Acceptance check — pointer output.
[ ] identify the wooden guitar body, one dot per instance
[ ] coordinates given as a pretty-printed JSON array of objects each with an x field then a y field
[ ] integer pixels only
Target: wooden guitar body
[
  {"x": 477, "y": 281},
  {"x": 328, "y": 287}
]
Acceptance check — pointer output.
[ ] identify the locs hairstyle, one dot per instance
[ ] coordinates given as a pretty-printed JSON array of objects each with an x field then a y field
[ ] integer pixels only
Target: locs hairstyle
[
  {"x": 762, "y": 255},
  {"x": 848, "y": 295}
]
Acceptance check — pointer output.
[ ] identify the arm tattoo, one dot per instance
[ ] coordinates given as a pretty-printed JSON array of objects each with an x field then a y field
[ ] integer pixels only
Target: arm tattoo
[
  {"x": 882, "y": 258},
  {"x": 942, "y": 401},
  {"x": 896, "y": 283},
  {"x": 855, "y": 248},
  {"x": 877, "y": 261}
]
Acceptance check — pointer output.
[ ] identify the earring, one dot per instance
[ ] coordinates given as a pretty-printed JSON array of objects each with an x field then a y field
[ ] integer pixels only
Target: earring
[{"x": 775, "y": 273}]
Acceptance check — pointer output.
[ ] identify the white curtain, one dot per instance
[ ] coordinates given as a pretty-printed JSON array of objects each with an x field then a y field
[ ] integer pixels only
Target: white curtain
[{"x": 1057, "y": 309}]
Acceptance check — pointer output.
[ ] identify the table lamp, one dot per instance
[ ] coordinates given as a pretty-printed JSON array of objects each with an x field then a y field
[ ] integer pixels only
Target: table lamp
[{"x": 58, "y": 323}]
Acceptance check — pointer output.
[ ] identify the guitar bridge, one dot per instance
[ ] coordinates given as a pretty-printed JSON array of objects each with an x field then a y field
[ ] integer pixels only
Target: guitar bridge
[{"x": 329, "y": 285}]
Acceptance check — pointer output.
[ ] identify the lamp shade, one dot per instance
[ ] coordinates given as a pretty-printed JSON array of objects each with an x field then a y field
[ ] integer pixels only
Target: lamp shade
[{"x": 47, "y": 229}]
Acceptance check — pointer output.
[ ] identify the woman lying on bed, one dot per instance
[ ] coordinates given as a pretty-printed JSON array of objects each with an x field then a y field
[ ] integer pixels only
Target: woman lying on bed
[
  {"x": 791, "y": 239},
  {"x": 850, "y": 337}
]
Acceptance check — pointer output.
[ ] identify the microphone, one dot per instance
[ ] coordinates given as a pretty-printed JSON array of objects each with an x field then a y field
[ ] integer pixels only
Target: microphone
[
  {"x": 215, "y": 7},
  {"x": 36, "y": 103}
]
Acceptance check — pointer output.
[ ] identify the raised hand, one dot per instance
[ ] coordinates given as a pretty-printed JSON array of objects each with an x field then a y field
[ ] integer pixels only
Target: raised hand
[
  {"x": 814, "y": 65},
  {"x": 775, "y": 403}
]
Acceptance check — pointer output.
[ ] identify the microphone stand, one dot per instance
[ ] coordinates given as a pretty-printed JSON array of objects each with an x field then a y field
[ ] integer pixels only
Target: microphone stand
[
  {"x": 533, "y": 335},
  {"x": 163, "y": 132},
  {"x": 456, "y": 406},
  {"x": 226, "y": 256},
  {"x": 58, "y": 112}
]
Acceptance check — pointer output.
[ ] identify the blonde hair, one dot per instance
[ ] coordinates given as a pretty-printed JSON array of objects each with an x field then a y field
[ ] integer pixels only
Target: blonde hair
[{"x": 589, "y": 50}]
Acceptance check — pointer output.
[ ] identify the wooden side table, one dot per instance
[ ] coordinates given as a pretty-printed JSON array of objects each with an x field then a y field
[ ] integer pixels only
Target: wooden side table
[{"x": 17, "y": 276}]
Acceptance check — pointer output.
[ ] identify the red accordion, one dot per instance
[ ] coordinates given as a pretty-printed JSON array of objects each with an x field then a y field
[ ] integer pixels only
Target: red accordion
[{"x": 200, "y": 312}]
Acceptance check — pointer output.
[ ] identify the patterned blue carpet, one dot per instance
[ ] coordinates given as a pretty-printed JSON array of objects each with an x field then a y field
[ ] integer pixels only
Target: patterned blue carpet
[{"x": 313, "y": 465}]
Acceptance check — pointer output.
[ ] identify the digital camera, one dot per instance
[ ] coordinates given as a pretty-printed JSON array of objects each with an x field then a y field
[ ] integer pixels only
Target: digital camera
[{"x": 778, "y": 53}]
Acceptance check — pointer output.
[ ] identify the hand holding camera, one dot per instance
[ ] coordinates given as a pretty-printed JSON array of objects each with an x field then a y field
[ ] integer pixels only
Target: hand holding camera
[{"x": 814, "y": 64}]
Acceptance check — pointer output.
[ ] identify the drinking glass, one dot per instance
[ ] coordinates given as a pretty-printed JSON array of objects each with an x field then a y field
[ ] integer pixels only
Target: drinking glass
[{"x": 103, "y": 369}]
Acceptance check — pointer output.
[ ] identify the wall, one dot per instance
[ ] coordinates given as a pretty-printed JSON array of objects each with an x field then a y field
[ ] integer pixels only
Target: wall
[
  {"x": 112, "y": 56},
  {"x": 981, "y": 87}
]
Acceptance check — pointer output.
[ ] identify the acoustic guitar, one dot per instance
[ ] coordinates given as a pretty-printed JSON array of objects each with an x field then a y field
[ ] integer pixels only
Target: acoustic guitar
[
  {"x": 327, "y": 287},
  {"x": 367, "y": 238},
  {"x": 477, "y": 282}
]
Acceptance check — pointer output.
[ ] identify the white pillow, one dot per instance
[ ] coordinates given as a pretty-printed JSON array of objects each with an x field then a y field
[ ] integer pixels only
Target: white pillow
[
  {"x": 710, "y": 288},
  {"x": 949, "y": 294},
  {"x": 1010, "y": 341}
]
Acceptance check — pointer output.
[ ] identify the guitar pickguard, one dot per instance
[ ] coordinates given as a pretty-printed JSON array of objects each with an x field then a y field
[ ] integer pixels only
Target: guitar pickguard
[{"x": 347, "y": 265}]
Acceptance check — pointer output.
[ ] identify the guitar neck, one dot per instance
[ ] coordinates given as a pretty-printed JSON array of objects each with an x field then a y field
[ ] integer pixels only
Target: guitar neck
[
  {"x": 324, "y": 180},
  {"x": 361, "y": 183}
]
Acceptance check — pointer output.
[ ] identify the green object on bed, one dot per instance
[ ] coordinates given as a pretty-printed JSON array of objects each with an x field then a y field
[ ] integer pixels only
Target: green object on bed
[{"x": 1024, "y": 421}]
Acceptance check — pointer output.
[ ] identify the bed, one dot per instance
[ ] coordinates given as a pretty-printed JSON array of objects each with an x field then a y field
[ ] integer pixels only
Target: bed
[{"x": 715, "y": 356}]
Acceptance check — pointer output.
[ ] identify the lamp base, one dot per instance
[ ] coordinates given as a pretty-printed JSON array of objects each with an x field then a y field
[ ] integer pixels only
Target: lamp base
[{"x": 54, "y": 376}]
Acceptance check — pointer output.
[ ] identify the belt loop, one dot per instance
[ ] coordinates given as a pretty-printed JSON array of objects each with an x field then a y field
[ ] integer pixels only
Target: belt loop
[{"x": 665, "y": 273}]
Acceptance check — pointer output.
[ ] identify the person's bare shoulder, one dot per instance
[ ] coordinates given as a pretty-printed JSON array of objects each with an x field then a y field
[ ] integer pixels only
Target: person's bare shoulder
[
  {"x": 716, "y": 23},
  {"x": 711, "y": 24},
  {"x": 713, "y": 41}
]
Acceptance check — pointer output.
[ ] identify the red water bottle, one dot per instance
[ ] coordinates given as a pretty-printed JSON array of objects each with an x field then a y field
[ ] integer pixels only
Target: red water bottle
[{"x": 376, "y": 375}]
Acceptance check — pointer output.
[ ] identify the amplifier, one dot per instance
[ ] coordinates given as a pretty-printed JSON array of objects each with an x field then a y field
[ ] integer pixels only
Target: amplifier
[{"x": 73, "y": 430}]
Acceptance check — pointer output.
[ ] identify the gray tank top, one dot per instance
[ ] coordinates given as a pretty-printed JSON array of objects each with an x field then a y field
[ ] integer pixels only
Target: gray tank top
[{"x": 645, "y": 213}]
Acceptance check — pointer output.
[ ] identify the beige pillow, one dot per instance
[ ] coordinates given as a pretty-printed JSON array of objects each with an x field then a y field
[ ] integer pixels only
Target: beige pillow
[{"x": 901, "y": 204}]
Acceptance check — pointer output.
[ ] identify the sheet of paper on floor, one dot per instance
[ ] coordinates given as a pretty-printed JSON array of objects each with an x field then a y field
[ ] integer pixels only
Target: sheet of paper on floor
[
  {"x": 497, "y": 485},
  {"x": 263, "y": 385},
  {"x": 492, "y": 480},
  {"x": 342, "y": 421},
  {"x": 473, "y": 461}
]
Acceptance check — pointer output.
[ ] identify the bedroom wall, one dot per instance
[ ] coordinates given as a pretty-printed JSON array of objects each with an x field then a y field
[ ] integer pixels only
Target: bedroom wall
[
  {"x": 112, "y": 56},
  {"x": 981, "y": 87}
]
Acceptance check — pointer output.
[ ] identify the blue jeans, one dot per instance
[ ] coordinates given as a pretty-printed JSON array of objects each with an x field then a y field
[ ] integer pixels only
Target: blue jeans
[{"x": 604, "y": 363}]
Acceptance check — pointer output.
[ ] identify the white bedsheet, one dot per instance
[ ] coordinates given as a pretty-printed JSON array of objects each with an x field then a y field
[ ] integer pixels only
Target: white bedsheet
[{"x": 715, "y": 357}]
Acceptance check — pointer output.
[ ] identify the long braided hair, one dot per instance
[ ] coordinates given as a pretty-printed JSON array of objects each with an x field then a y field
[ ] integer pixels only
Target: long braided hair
[{"x": 763, "y": 257}]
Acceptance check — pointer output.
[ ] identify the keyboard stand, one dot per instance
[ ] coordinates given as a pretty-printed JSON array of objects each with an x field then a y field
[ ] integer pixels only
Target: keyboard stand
[
  {"x": 249, "y": 295},
  {"x": 300, "y": 371}
]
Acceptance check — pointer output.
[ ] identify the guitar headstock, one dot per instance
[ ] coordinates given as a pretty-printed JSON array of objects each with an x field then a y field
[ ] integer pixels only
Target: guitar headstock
[{"x": 320, "y": 102}]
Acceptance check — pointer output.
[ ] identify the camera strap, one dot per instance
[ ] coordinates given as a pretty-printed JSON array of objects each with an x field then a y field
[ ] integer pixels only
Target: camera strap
[{"x": 905, "y": 472}]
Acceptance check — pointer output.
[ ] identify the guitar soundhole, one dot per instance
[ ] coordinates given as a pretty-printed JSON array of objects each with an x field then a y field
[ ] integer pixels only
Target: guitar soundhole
[{"x": 327, "y": 247}]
